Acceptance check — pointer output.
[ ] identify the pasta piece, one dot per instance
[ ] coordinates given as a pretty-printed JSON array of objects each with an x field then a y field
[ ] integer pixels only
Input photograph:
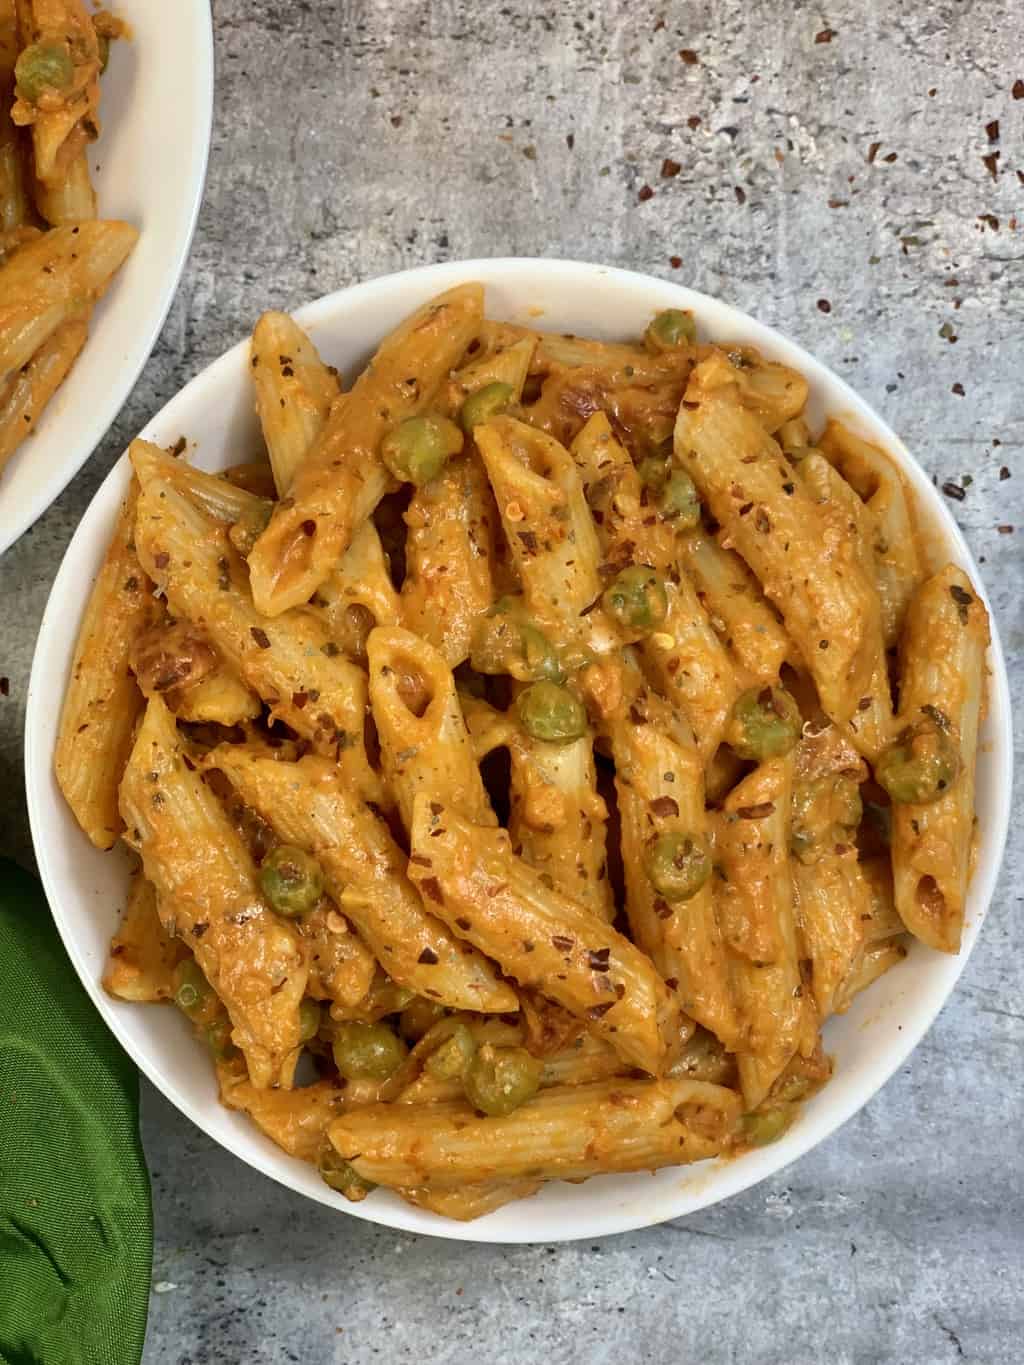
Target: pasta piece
[
  {"x": 309, "y": 804},
  {"x": 176, "y": 661},
  {"x": 290, "y": 662},
  {"x": 507, "y": 365},
  {"x": 884, "y": 922},
  {"x": 546, "y": 520},
  {"x": 448, "y": 553},
  {"x": 660, "y": 788},
  {"x": 32, "y": 387},
  {"x": 15, "y": 209},
  {"x": 296, "y": 1120},
  {"x": 754, "y": 896},
  {"x": 143, "y": 955},
  {"x": 359, "y": 594},
  {"x": 221, "y": 698},
  {"x": 830, "y": 609},
  {"x": 737, "y": 609},
  {"x": 941, "y": 687},
  {"x": 341, "y": 967},
  {"x": 470, "y": 1201},
  {"x": 899, "y": 571},
  {"x": 470, "y": 877},
  {"x": 102, "y": 702},
  {"x": 423, "y": 739},
  {"x": 775, "y": 393},
  {"x": 684, "y": 657},
  {"x": 214, "y": 494},
  {"x": 71, "y": 199},
  {"x": 51, "y": 279},
  {"x": 66, "y": 118},
  {"x": 846, "y": 517},
  {"x": 206, "y": 884},
  {"x": 343, "y": 478},
  {"x": 294, "y": 393},
  {"x": 873, "y": 961},
  {"x": 557, "y": 820},
  {"x": 564, "y": 1133}
]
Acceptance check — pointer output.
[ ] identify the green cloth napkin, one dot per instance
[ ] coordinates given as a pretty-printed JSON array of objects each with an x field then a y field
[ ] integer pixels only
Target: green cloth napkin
[{"x": 76, "y": 1225}]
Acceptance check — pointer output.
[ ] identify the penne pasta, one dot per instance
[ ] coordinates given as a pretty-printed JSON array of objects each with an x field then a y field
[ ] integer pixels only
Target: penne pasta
[
  {"x": 343, "y": 478},
  {"x": 296, "y": 1120},
  {"x": 31, "y": 388},
  {"x": 829, "y": 608},
  {"x": 565, "y": 1133},
  {"x": 51, "y": 279},
  {"x": 71, "y": 199},
  {"x": 103, "y": 702},
  {"x": 294, "y": 393},
  {"x": 206, "y": 887},
  {"x": 308, "y": 804},
  {"x": 423, "y": 739},
  {"x": 143, "y": 955},
  {"x": 942, "y": 652},
  {"x": 470, "y": 877}
]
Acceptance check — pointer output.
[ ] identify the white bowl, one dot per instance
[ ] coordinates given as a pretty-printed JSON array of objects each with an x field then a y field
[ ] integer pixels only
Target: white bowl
[
  {"x": 87, "y": 888},
  {"x": 148, "y": 167}
]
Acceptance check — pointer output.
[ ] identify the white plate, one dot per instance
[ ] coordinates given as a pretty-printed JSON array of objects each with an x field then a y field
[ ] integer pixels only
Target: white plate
[
  {"x": 87, "y": 888},
  {"x": 149, "y": 166}
]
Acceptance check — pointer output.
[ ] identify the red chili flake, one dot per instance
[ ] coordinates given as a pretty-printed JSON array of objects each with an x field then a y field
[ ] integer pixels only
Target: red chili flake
[
  {"x": 435, "y": 809},
  {"x": 963, "y": 600},
  {"x": 661, "y": 907},
  {"x": 570, "y": 140},
  {"x": 991, "y": 164},
  {"x": 1005, "y": 530},
  {"x": 953, "y": 490},
  {"x": 299, "y": 699},
  {"x": 932, "y": 92},
  {"x": 1018, "y": 90},
  {"x": 1004, "y": 473},
  {"x": 825, "y": 36},
  {"x": 958, "y": 389},
  {"x": 762, "y": 522},
  {"x": 890, "y": 158},
  {"x": 5, "y": 687},
  {"x": 179, "y": 447},
  {"x": 694, "y": 121},
  {"x": 675, "y": 262},
  {"x": 162, "y": 559},
  {"x": 432, "y": 887},
  {"x": 989, "y": 220},
  {"x": 873, "y": 151},
  {"x": 420, "y": 860},
  {"x": 840, "y": 203},
  {"x": 758, "y": 812},
  {"x": 260, "y": 636},
  {"x": 598, "y": 961},
  {"x": 664, "y": 807},
  {"x": 562, "y": 943},
  {"x": 992, "y": 130},
  {"x": 309, "y": 527},
  {"x": 645, "y": 193},
  {"x": 672, "y": 982},
  {"x": 428, "y": 957},
  {"x": 824, "y": 306},
  {"x": 740, "y": 193},
  {"x": 864, "y": 704},
  {"x": 688, "y": 56},
  {"x": 670, "y": 168}
]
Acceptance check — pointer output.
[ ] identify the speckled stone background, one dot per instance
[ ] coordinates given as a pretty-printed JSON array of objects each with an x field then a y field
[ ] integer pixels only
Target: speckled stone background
[{"x": 849, "y": 173}]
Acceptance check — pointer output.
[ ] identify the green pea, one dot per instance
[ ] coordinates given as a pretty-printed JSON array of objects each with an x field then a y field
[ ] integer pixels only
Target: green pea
[
  {"x": 549, "y": 712},
  {"x": 367, "y": 1051},
  {"x": 341, "y": 1175},
  {"x": 217, "y": 1036},
  {"x": 653, "y": 472},
  {"x": 291, "y": 880},
  {"x": 192, "y": 990},
  {"x": 500, "y": 1079},
  {"x": 418, "y": 1017},
  {"x": 41, "y": 67},
  {"x": 486, "y": 403},
  {"x": 670, "y": 329},
  {"x": 678, "y": 865},
  {"x": 453, "y": 1056},
  {"x": 637, "y": 598},
  {"x": 679, "y": 501},
  {"x": 309, "y": 1020},
  {"x": 921, "y": 765},
  {"x": 765, "y": 723},
  {"x": 418, "y": 448},
  {"x": 767, "y": 1125}
]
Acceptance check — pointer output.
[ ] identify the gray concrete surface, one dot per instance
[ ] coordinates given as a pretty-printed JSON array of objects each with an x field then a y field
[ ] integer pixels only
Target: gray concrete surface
[{"x": 355, "y": 138}]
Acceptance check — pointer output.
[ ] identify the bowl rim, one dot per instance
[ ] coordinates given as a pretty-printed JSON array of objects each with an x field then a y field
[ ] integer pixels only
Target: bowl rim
[
  {"x": 91, "y": 430},
  {"x": 732, "y": 1176}
]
